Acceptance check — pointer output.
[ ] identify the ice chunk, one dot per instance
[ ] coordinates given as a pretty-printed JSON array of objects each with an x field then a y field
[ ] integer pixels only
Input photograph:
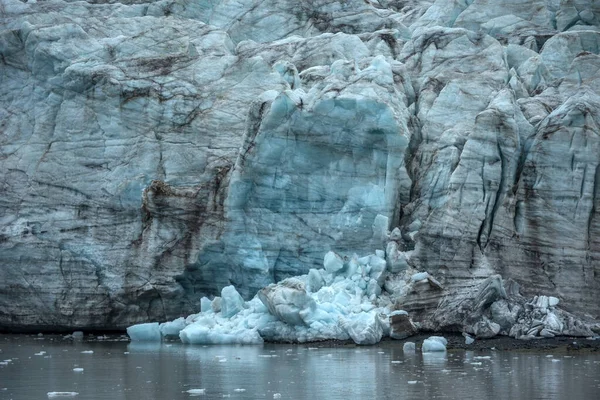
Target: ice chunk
[
  {"x": 378, "y": 269},
  {"x": 440, "y": 339},
  {"x": 77, "y": 369},
  {"x": 78, "y": 335},
  {"x": 401, "y": 326},
  {"x": 353, "y": 266},
  {"x": 205, "y": 305},
  {"x": 373, "y": 289},
  {"x": 380, "y": 227},
  {"x": 314, "y": 281},
  {"x": 434, "y": 343},
  {"x": 332, "y": 262},
  {"x": 552, "y": 322},
  {"x": 419, "y": 276},
  {"x": 397, "y": 261},
  {"x": 196, "y": 392},
  {"x": 52, "y": 395},
  {"x": 216, "y": 304},
  {"x": 553, "y": 301},
  {"x": 468, "y": 338},
  {"x": 288, "y": 301},
  {"x": 396, "y": 234},
  {"x": 409, "y": 347},
  {"x": 145, "y": 332},
  {"x": 212, "y": 329},
  {"x": 172, "y": 329},
  {"x": 364, "y": 328},
  {"x": 231, "y": 302}
]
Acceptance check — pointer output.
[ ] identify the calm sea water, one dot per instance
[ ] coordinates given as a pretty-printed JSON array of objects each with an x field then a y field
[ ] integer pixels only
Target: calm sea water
[{"x": 120, "y": 370}]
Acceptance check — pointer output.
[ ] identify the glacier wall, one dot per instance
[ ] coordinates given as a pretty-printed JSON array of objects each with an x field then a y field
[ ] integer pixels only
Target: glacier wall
[{"x": 154, "y": 152}]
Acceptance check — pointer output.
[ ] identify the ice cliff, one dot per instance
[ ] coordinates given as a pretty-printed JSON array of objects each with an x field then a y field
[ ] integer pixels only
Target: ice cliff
[{"x": 153, "y": 153}]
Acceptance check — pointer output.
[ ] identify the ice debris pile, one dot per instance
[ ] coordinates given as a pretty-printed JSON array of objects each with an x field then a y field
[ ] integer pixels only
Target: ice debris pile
[
  {"x": 363, "y": 299},
  {"x": 342, "y": 301}
]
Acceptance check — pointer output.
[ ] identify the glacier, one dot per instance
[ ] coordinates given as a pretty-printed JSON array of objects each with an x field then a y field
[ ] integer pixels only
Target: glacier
[{"x": 154, "y": 154}]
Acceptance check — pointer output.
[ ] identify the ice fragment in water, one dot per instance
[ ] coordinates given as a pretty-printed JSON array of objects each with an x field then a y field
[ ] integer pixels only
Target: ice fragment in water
[
  {"x": 409, "y": 347},
  {"x": 77, "y": 369},
  {"x": 62, "y": 394},
  {"x": 468, "y": 339},
  {"x": 172, "y": 329},
  {"x": 434, "y": 343},
  {"x": 196, "y": 392},
  {"x": 87, "y": 352},
  {"x": 364, "y": 328},
  {"x": 149, "y": 332}
]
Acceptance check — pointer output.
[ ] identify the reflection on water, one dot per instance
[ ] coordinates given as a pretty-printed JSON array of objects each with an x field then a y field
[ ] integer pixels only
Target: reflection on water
[{"x": 120, "y": 370}]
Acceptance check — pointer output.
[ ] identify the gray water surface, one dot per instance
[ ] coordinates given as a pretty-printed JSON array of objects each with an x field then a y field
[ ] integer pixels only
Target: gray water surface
[{"x": 121, "y": 370}]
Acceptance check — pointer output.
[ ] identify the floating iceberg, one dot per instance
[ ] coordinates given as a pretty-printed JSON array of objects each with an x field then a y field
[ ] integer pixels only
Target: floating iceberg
[
  {"x": 433, "y": 344},
  {"x": 145, "y": 332}
]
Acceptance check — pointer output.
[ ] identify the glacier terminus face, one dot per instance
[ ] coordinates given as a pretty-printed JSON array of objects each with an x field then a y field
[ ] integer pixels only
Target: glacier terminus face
[{"x": 235, "y": 172}]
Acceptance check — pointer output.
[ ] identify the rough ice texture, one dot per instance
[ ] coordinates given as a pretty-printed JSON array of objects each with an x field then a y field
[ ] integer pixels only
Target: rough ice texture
[
  {"x": 343, "y": 308},
  {"x": 434, "y": 344},
  {"x": 152, "y": 153},
  {"x": 148, "y": 332}
]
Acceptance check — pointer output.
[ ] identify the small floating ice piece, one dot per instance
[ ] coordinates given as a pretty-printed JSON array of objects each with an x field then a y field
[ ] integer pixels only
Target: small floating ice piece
[
  {"x": 277, "y": 395},
  {"x": 149, "y": 332},
  {"x": 171, "y": 329},
  {"x": 87, "y": 352},
  {"x": 412, "y": 382},
  {"x": 62, "y": 394},
  {"x": 196, "y": 392},
  {"x": 239, "y": 390},
  {"x": 434, "y": 343},
  {"x": 468, "y": 339},
  {"x": 77, "y": 369},
  {"x": 409, "y": 347},
  {"x": 41, "y": 353},
  {"x": 77, "y": 335}
]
